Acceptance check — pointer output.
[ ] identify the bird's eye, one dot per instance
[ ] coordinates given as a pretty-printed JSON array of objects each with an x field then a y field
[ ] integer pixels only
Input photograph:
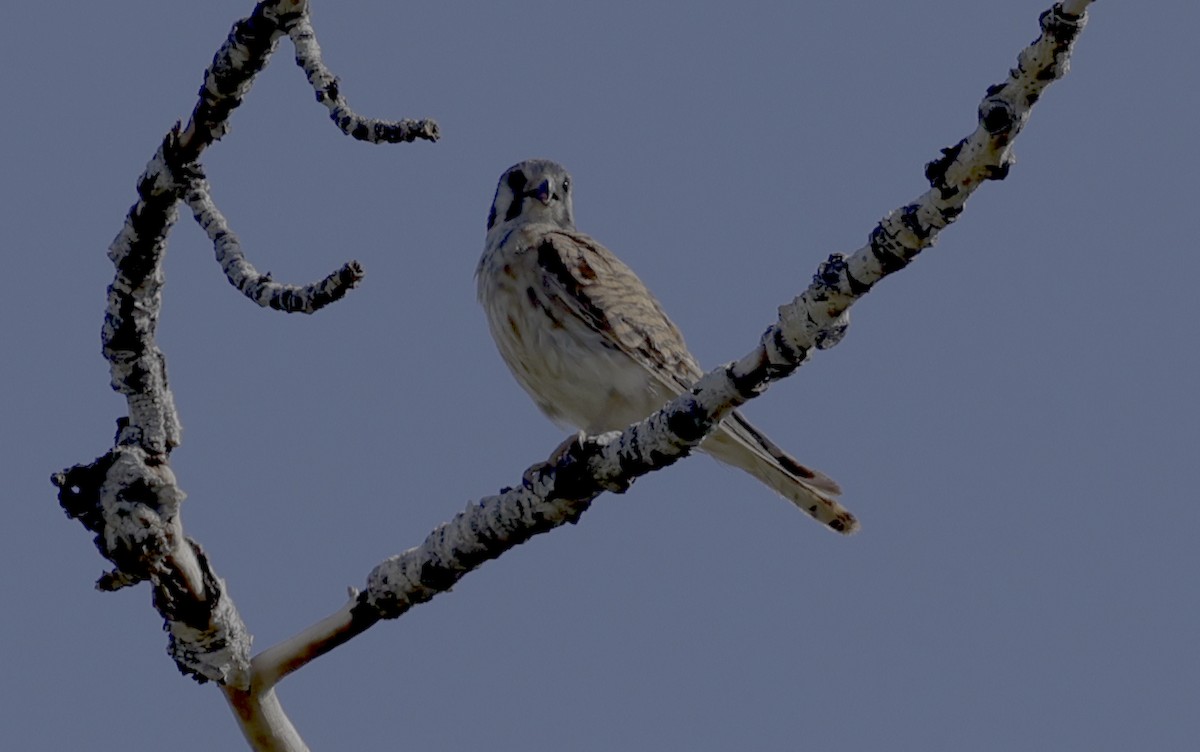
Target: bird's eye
[
  {"x": 517, "y": 181},
  {"x": 566, "y": 184}
]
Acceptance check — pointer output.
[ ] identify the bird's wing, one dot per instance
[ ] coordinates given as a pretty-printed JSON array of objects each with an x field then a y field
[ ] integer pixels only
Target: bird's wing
[{"x": 589, "y": 282}]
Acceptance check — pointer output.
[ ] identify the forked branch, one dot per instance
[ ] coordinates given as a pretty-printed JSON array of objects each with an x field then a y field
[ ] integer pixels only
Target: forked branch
[
  {"x": 255, "y": 285},
  {"x": 129, "y": 497}
]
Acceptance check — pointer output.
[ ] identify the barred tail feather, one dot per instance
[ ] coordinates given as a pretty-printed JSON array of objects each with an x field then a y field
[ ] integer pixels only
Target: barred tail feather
[{"x": 739, "y": 444}]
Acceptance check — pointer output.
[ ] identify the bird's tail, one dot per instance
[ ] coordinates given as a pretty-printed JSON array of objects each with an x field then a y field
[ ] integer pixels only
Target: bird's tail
[{"x": 739, "y": 444}]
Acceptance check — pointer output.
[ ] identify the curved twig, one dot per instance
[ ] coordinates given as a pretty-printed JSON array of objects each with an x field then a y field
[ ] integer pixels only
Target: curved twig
[
  {"x": 328, "y": 89},
  {"x": 257, "y": 286}
]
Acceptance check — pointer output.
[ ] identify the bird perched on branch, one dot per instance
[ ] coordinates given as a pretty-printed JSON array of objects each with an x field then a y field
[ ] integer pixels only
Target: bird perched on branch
[{"x": 592, "y": 346}]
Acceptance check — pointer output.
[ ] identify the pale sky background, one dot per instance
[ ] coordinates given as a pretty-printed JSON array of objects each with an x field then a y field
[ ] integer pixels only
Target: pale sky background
[{"x": 1014, "y": 418}]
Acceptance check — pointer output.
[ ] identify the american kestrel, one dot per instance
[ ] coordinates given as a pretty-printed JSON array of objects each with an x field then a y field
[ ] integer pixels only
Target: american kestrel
[{"x": 592, "y": 346}]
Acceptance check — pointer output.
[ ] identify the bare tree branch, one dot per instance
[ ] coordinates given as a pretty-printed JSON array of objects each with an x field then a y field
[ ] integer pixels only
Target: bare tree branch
[
  {"x": 246, "y": 50},
  {"x": 129, "y": 497},
  {"x": 329, "y": 93},
  {"x": 130, "y": 500},
  {"x": 560, "y": 490},
  {"x": 263, "y": 722},
  {"x": 256, "y": 286}
]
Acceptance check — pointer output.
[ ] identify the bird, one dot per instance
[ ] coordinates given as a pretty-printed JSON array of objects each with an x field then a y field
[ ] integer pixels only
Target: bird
[{"x": 593, "y": 347}]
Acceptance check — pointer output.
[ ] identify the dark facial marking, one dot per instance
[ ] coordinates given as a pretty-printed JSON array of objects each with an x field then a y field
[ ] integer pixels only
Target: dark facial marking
[{"x": 516, "y": 183}]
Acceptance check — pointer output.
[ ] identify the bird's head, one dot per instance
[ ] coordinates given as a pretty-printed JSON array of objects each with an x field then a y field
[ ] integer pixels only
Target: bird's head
[{"x": 536, "y": 190}]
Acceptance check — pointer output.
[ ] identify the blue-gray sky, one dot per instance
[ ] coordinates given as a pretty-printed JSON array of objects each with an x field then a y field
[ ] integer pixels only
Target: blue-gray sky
[{"x": 1013, "y": 418}]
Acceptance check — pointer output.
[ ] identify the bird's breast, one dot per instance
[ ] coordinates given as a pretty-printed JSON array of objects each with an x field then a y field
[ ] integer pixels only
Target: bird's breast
[{"x": 576, "y": 375}]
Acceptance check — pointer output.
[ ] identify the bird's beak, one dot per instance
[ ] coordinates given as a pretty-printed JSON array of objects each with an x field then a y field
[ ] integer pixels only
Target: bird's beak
[{"x": 544, "y": 192}]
